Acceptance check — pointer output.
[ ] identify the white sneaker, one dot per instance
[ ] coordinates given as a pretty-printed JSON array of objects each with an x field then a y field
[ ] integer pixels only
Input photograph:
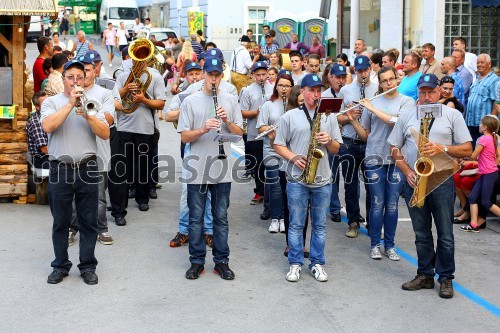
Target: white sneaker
[
  {"x": 375, "y": 253},
  {"x": 110, "y": 65},
  {"x": 294, "y": 274},
  {"x": 391, "y": 254},
  {"x": 319, "y": 273},
  {"x": 282, "y": 226},
  {"x": 275, "y": 226}
]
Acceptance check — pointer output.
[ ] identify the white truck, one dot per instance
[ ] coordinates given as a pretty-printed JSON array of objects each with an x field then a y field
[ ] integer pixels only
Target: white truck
[{"x": 116, "y": 11}]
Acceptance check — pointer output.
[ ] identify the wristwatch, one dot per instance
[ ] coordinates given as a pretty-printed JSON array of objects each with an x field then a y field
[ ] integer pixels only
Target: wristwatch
[{"x": 445, "y": 149}]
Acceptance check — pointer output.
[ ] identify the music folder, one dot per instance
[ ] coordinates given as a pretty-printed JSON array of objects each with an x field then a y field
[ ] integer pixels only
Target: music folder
[{"x": 329, "y": 105}]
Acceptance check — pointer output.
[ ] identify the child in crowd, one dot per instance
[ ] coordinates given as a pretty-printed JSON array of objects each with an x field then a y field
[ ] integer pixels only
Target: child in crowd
[
  {"x": 272, "y": 74},
  {"x": 487, "y": 156}
]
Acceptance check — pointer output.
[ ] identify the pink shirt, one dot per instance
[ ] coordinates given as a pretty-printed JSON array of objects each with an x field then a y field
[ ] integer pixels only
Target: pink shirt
[
  {"x": 486, "y": 160},
  {"x": 110, "y": 36}
]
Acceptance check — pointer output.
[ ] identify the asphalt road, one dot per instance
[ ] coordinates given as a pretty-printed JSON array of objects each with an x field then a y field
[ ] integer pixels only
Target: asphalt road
[{"x": 142, "y": 285}]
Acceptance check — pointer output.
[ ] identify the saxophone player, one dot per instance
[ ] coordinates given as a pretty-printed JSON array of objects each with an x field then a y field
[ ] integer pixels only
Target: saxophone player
[
  {"x": 135, "y": 130},
  {"x": 292, "y": 140},
  {"x": 198, "y": 125},
  {"x": 448, "y": 135}
]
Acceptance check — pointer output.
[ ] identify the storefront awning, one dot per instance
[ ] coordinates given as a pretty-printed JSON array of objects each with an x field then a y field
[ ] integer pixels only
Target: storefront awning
[
  {"x": 486, "y": 3},
  {"x": 82, "y": 3}
]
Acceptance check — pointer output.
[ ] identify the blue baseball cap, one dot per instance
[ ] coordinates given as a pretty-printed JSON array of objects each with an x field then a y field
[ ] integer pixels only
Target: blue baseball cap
[
  {"x": 361, "y": 63},
  {"x": 284, "y": 71},
  {"x": 310, "y": 80},
  {"x": 94, "y": 55},
  {"x": 201, "y": 56},
  {"x": 74, "y": 63},
  {"x": 259, "y": 65},
  {"x": 192, "y": 65},
  {"x": 428, "y": 80},
  {"x": 85, "y": 59},
  {"x": 338, "y": 70},
  {"x": 214, "y": 53},
  {"x": 212, "y": 65},
  {"x": 125, "y": 51}
]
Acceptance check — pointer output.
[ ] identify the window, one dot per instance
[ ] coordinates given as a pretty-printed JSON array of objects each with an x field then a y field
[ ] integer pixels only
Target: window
[
  {"x": 413, "y": 25},
  {"x": 369, "y": 23},
  {"x": 119, "y": 13},
  {"x": 256, "y": 17},
  {"x": 480, "y": 26}
]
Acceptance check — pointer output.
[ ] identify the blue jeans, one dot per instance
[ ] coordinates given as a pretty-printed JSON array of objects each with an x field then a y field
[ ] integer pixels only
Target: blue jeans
[
  {"x": 385, "y": 183},
  {"x": 184, "y": 210},
  {"x": 438, "y": 206},
  {"x": 335, "y": 205},
  {"x": 64, "y": 184},
  {"x": 298, "y": 201},
  {"x": 351, "y": 158},
  {"x": 196, "y": 199},
  {"x": 274, "y": 190}
]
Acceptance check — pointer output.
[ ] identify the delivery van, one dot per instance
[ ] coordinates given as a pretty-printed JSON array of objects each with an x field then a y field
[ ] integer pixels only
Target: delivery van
[{"x": 116, "y": 11}]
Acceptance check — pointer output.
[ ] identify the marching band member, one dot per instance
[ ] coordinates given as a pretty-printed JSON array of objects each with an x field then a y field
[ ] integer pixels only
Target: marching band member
[
  {"x": 292, "y": 144},
  {"x": 72, "y": 149},
  {"x": 385, "y": 180},
  {"x": 201, "y": 115},
  {"x": 269, "y": 115},
  {"x": 448, "y": 135},
  {"x": 353, "y": 149},
  {"x": 251, "y": 99}
]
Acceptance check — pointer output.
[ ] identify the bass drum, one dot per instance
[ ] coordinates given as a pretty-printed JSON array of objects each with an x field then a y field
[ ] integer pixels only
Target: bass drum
[{"x": 287, "y": 64}]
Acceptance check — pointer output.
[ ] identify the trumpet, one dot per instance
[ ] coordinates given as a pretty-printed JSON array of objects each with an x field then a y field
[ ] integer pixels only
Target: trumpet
[
  {"x": 266, "y": 132},
  {"x": 89, "y": 106},
  {"x": 369, "y": 99}
]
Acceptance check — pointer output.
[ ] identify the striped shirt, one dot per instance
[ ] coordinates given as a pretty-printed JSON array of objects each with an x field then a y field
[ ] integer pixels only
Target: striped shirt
[
  {"x": 81, "y": 48},
  {"x": 482, "y": 94}
]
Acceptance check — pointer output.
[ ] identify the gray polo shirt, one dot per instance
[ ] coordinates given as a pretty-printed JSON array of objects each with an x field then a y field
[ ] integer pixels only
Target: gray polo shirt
[
  {"x": 450, "y": 129},
  {"x": 252, "y": 99},
  {"x": 106, "y": 98},
  {"x": 74, "y": 139},
  {"x": 202, "y": 164},
  {"x": 297, "y": 79},
  {"x": 224, "y": 86},
  {"x": 352, "y": 93},
  {"x": 269, "y": 115},
  {"x": 377, "y": 147},
  {"x": 140, "y": 121},
  {"x": 294, "y": 132}
]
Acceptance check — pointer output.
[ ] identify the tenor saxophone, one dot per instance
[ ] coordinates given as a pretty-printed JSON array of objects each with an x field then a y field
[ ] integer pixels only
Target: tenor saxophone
[
  {"x": 314, "y": 155},
  {"x": 424, "y": 167}
]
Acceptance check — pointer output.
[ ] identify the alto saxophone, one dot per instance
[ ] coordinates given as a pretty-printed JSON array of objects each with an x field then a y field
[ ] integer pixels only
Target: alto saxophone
[
  {"x": 424, "y": 166},
  {"x": 314, "y": 155}
]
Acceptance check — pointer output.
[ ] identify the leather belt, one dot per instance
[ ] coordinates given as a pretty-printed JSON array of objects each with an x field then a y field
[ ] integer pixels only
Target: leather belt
[
  {"x": 352, "y": 141},
  {"x": 82, "y": 164}
]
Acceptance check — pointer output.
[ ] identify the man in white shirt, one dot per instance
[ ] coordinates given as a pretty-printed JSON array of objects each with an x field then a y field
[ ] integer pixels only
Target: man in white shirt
[
  {"x": 470, "y": 58},
  {"x": 241, "y": 62},
  {"x": 137, "y": 27}
]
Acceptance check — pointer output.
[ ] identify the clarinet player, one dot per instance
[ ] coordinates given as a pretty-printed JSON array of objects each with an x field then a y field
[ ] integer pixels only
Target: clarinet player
[
  {"x": 199, "y": 123},
  {"x": 293, "y": 136}
]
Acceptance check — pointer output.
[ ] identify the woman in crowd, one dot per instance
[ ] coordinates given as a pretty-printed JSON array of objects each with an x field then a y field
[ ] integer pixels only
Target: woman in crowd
[
  {"x": 272, "y": 74},
  {"x": 187, "y": 54},
  {"x": 276, "y": 61},
  {"x": 447, "y": 97},
  {"x": 343, "y": 60},
  {"x": 57, "y": 42}
]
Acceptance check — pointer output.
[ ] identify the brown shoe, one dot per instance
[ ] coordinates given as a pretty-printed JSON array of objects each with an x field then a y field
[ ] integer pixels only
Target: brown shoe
[
  {"x": 419, "y": 282},
  {"x": 179, "y": 240},
  {"x": 209, "y": 240},
  {"x": 446, "y": 289}
]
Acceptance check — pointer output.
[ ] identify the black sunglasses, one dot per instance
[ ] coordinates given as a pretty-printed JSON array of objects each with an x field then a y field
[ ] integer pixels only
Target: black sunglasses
[{"x": 447, "y": 79}]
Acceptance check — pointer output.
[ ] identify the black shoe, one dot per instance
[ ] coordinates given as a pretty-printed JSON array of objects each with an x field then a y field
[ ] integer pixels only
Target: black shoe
[
  {"x": 120, "y": 221},
  {"x": 195, "y": 271},
  {"x": 89, "y": 277},
  {"x": 56, "y": 276},
  {"x": 446, "y": 288},
  {"x": 143, "y": 207},
  {"x": 131, "y": 193},
  {"x": 266, "y": 214},
  {"x": 458, "y": 221},
  {"x": 224, "y": 271},
  {"x": 109, "y": 208},
  {"x": 361, "y": 219},
  {"x": 152, "y": 193},
  {"x": 483, "y": 226},
  {"x": 336, "y": 217}
]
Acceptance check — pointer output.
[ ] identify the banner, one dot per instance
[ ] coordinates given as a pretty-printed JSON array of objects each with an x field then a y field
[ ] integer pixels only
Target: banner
[{"x": 195, "y": 22}]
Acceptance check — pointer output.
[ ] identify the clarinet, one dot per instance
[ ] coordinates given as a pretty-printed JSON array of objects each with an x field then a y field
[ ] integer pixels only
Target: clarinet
[
  {"x": 363, "y": 88},
  {"x": 283, "y": 97},
  {"x": 263, "y": 91},
  {"x": 222, "y": 153}
]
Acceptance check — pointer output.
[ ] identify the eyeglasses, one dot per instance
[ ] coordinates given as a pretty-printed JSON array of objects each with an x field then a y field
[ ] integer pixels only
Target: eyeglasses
[
  {"x": 447, "y": 79},
  {"x": 391, "y": 80},
  {"x": 284, "y": 86},
  {"x": 72, "y": 78}
]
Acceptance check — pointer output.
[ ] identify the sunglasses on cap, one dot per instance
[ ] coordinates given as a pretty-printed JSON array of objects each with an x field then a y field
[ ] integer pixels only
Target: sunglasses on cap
[{"x": 447, "y": 79}]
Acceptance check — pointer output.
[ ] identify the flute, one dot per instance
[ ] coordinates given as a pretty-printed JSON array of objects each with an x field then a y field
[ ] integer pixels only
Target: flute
[
  {"x": 369, "y": 99},
  {"x": 222, "y": 153},
  {"x": 266, "y": 132}
]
